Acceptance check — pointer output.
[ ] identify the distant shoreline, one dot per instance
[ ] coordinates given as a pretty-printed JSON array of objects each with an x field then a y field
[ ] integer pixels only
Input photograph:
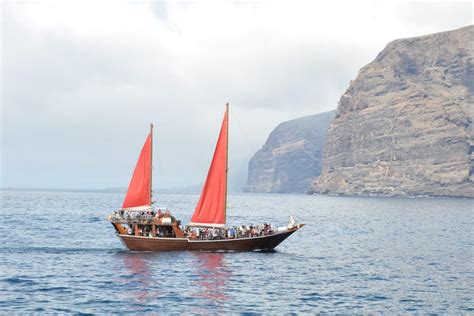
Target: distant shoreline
[
  {"x": 184, "y": 191},
  {"x": 190, "y": 190},
  {"x": 61, "y": 190},
  {"x": 107, "y": 190}
]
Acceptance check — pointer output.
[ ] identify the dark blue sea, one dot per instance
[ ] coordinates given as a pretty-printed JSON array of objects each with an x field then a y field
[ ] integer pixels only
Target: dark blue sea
[{"x": 58, "y": 254}]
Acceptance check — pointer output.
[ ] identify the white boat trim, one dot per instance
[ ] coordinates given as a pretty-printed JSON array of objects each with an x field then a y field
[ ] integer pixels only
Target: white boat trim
[
  {"x": 137, "y": 208},
  {"x": 205, "y": 225}
]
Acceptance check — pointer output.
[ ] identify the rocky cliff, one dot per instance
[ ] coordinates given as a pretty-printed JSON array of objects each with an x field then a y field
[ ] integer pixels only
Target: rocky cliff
[
  {"x": 404, "y": 125},
  {"x": 291, "y": 157}
]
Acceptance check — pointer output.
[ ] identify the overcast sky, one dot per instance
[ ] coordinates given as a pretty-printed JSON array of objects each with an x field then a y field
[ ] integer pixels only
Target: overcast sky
[{"x": 82, "y": 80}]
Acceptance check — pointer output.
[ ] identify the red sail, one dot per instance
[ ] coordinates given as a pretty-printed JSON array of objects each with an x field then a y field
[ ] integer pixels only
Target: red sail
[
  {"x": 211, "y": 208},
  {"x": 139, "y": 189}
]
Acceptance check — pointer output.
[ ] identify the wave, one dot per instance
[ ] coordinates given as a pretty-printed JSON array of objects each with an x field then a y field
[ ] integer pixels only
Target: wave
[
  {"x": 58, "y": 250},
  {"x": 19, "y": 280}
]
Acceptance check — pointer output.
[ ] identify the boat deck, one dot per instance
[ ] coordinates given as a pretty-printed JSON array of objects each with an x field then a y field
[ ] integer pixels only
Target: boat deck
[{"x": 266, "y": 242}]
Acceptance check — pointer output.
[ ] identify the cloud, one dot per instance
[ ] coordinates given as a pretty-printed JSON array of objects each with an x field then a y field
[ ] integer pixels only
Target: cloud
[{"x": 82, "y": 80}]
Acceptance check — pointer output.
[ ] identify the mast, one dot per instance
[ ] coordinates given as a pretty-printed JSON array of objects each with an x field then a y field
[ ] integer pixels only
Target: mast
[
  {"x": 151, "y": 165},
  {"x": 226, "y": 161}
]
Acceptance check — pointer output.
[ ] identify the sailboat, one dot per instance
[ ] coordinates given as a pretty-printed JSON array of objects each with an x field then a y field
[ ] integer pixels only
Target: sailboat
[{"x": 140, "y": 227}]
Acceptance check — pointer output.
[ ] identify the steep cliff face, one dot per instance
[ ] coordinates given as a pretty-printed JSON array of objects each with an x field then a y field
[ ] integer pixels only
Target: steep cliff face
[
  {"x": 404, "y": 126},
  {"x": 291, "y": 157}
]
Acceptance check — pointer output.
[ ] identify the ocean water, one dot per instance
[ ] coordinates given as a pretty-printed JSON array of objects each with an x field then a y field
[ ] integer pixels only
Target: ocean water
[{"x": 58, "y": 254}]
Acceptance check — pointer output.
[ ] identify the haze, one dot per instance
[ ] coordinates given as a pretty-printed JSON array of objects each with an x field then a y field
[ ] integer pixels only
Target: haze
[{"x": 81, "y": 81}]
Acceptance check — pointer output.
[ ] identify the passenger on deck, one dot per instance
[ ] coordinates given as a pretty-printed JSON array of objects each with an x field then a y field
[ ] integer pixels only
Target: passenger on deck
[
  {"x": 243, "y": 231},
  {"x": 231, "y": 233},
  {"x": 265, "y": 229}
]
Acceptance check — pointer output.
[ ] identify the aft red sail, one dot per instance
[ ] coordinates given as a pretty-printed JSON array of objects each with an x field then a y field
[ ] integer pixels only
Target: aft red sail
[
  {"x": 211, "y": 208},
  {"x": 139, "y": 189}
]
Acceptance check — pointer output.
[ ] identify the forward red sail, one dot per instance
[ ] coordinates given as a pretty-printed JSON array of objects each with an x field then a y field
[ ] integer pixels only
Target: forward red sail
[
  {"x": 211, "y": 208},
  {"x": 139, "y": 189}
]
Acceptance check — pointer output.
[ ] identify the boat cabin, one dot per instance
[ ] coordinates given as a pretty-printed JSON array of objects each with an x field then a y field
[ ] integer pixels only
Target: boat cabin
[{"x": 143, "y": 225}]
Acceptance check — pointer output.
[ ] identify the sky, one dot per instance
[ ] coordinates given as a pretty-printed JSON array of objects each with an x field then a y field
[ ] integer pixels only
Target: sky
[{"x": 80, "y": 81}]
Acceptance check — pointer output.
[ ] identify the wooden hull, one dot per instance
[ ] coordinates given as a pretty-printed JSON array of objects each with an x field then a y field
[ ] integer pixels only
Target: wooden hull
[{"x": 180, "y": 244}]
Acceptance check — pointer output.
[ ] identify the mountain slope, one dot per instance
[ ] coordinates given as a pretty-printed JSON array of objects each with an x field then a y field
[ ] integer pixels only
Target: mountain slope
[
  {"x": 291, "y": 157},
  {"x": 404, "y": 125}
]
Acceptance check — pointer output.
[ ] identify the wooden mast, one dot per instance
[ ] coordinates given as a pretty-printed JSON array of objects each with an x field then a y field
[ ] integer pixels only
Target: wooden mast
[
  {"x": 151, "y": 165},
  {"x": 226, "y": 161},
  {"x": 153, "y": 227}
]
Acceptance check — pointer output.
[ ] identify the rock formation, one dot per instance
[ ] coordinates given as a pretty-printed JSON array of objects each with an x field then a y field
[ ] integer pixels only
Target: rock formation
[
  {"x": 404, "y": 125},
  {"x": 291, "y": 157}
]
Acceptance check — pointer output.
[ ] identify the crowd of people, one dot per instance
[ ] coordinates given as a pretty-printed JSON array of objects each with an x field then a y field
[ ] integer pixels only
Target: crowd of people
[
  {"x": 142, "y": 221},
  {"x": 233, "y": 232},
  {"x": 142, "y": 216},
  {"x": 147, "y": 231}
]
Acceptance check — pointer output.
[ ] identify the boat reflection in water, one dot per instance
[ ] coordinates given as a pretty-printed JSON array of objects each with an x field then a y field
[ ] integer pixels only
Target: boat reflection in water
[
  {"x": 212, "y": 274},
  {"x": 200, "y": 281},
  {"x": 141, "y": 281}
]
